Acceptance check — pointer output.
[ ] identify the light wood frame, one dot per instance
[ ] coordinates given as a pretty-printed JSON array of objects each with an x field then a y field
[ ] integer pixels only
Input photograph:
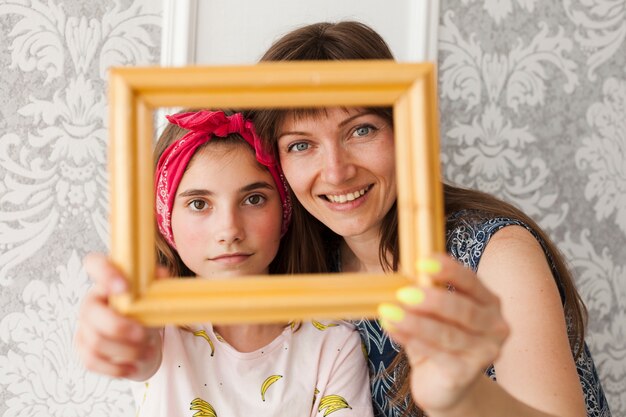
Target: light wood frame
[{"x": 135, "y": 93}]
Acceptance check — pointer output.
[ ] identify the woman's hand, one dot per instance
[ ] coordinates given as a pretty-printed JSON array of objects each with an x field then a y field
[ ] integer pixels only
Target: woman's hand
[
  {"x": 450, "y": 336},
  {"x": 107, "y": 342}
]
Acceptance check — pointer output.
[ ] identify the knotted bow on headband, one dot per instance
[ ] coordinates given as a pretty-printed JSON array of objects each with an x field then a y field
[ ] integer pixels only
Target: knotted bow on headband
[{"x": 203, "y": 126}]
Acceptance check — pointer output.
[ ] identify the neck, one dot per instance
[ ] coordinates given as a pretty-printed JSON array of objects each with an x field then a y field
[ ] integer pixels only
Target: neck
[
  {"x": 249, "y": 337},
  {"x": 360, "y": 254}
]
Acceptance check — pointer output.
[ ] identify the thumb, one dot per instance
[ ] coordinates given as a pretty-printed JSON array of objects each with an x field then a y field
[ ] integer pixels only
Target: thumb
[{"x": 106, "y": 277}]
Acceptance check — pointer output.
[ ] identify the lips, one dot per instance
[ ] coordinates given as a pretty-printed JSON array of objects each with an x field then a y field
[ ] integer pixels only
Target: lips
[
  {"x": 347, "y": 197},
  {"x": 231, "y": 258}
]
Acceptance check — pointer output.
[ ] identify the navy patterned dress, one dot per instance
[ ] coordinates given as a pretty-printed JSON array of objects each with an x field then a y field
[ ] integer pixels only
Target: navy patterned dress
[{"x": 466, "y": 238}]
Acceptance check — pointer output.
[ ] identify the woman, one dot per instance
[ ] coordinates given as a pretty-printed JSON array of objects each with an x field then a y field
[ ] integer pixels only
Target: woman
[{"x": 339, "y": 163}]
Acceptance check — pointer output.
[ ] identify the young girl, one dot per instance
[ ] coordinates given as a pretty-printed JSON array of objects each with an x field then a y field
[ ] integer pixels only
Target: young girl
[{"x": 221, "y": 212}]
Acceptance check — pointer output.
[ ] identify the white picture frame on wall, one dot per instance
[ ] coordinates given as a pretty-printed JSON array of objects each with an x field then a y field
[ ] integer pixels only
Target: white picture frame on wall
[{"x": 234, "y": 32}]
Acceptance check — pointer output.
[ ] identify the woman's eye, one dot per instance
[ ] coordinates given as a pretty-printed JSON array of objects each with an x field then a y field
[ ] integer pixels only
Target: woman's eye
[
  {"x": 363, "y": 130},
  {"x": 298, "y": 147},
  {"x": 255, "y": 200},
  {"x": 198, "y": 205}
]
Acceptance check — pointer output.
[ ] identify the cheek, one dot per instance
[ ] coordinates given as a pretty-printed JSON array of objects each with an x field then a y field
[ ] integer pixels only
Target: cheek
[
  {"x": 187, "y": 232},
  {"x": 386, "y": 160},
  {"x": 266, "y": 225},
  {"x": 298, "y": 176}
]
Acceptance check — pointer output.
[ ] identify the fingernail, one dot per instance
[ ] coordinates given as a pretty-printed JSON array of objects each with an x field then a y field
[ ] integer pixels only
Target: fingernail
[
  {"x": 428, "y": 266},
  {"x": 410, "y": 296},
  {"x": 390, "y": 312}
]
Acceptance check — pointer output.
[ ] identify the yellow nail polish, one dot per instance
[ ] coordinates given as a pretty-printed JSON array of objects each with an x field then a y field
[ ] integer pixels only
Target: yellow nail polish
[
  {"x": 410, "y": 296},
  {"x": 428, "y": 266},
  {"x": 390, "y": 312}
]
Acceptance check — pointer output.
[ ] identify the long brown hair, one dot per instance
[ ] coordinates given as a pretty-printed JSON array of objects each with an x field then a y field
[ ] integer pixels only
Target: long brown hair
[{"x": 353, "y": 40}]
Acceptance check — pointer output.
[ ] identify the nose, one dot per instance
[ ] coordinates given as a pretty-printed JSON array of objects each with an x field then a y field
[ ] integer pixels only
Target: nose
[
  {"x": 229, "y": 226},
  {"x": 337, "y": 165}
]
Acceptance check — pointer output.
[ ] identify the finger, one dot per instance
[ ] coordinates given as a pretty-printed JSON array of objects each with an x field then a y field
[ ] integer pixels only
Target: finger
[
  {"x": 104, "y": 366},
  {"x": 456, "y": 367},
  {"x": 106, "y": 277},
  {"x": 445, "y": 271},
  {"x": 435, "y": 333},
  {"x": 435, "y": 340},
  {"x": 117, "y": 351},
  {"x": 452, "y": 307},
  {"x": 98, "y": 316}
]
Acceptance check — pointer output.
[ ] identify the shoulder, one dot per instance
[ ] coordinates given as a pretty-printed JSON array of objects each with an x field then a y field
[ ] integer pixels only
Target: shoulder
[
  {"x": 515, "y": 266},
  {"x": 469, "y": 231},
  {"x": 514, "y": 237},
  {"x": 512, "y": 247}
]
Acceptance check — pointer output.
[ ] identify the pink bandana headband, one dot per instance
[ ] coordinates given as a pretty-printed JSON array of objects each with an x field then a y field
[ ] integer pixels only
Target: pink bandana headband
[{"x": 203, "y": 126}]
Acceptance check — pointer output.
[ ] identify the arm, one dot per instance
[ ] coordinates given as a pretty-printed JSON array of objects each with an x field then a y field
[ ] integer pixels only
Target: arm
[
  {"x": 536, "y": 364},
  {"x": 451, "y": 337},
  {"x": 107, "y": 342}
]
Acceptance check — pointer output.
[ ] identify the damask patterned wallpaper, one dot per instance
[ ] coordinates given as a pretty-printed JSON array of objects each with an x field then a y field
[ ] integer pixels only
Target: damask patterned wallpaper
[
  {"x": 54, "y": 57},
  {"x": 533, "y": 109},
  {"x": 533, "y": 104}
]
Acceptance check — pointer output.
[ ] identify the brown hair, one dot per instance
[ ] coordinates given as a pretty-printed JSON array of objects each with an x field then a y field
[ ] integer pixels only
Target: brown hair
[
  {"x": 292, "y": 257},
  {"x": 353, "y": 40}
]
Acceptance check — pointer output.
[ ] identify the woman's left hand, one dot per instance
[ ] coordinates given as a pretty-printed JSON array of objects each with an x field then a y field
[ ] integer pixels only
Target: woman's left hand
[{"x": 450, "y": 336}]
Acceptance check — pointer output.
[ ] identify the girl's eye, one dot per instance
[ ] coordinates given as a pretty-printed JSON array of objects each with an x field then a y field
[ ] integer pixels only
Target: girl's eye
[
  {"x": 363, "y": 130},
  {"x": 298, "y": 147},
  {"x": 198, "y": 205},
  {"x": 255, "y": 200}
]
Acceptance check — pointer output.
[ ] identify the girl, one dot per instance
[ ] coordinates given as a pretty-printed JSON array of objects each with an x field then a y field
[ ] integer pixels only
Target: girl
[
  {"x": 221, "y": 212},
  {"x": 339, "y": 164}
]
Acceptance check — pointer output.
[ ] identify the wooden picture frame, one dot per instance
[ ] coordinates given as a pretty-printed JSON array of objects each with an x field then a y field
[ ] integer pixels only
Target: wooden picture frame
[{"x": 135, "y": 93}]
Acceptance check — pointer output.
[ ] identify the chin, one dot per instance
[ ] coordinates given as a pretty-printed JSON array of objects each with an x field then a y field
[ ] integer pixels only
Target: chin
[{"x": 348, "y": 231}]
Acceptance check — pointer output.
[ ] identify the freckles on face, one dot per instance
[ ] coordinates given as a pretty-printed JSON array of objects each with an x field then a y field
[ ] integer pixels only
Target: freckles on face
[{"x": 340, "y": 164}]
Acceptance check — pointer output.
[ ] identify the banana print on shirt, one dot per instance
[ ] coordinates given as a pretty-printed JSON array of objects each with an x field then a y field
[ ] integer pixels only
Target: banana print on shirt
[
  {"x": 204, "y": 335},
  {"x": 332, "y": 403},
  {"x": 266, "y": 384},
  {"x": 321, "y": 326},
  {"x": 203, "y": 408}
]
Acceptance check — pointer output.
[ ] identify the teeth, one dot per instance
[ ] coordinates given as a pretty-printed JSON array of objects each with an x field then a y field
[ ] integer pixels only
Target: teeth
[{"x": 346, "y": 197}]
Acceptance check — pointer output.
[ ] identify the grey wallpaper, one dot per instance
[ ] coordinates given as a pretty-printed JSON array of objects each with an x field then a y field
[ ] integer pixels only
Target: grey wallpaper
[
  {"x": 54, "y": 57},
  {"x": 533, "y": 104},
  {"x": 533, "y": 109}
]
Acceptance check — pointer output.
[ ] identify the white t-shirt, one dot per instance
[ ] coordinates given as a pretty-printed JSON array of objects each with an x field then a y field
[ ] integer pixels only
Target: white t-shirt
[{"x": 314, "y": 370}]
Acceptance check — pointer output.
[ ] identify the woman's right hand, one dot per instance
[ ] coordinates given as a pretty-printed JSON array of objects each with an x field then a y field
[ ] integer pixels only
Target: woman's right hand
[{"x": 108, "y": 342}]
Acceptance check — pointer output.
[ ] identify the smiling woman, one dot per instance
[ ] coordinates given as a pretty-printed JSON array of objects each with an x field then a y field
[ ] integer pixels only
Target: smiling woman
[
  {"x": 429, "y": 350},
  {"x": 344, "y": 168}
]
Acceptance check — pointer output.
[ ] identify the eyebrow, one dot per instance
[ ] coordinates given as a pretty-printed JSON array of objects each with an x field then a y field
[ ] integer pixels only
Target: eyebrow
[
  {"x": 341, "y": 124},
  {"x": 201, "y": 192}
]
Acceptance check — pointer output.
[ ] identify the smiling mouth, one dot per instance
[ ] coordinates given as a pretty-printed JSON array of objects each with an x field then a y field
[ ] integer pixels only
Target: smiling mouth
[{"x": 348, "y": 197}]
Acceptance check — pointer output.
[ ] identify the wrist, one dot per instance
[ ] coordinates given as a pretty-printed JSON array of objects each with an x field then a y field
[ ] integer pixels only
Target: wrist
[{"x": 471, "y": 403}]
